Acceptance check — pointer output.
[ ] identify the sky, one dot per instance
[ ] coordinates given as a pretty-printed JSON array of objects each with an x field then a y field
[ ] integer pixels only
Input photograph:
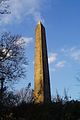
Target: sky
[{"x": 61, "y": 19}]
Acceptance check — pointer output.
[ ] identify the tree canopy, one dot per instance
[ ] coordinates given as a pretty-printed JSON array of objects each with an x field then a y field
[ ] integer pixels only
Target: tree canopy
[
  {"x": 4, "y": 7},
  {"x": 12, "y": 58}
]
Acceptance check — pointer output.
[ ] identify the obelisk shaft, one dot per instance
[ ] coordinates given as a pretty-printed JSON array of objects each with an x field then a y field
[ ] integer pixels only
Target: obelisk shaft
[{"x": 41, "y": 70}]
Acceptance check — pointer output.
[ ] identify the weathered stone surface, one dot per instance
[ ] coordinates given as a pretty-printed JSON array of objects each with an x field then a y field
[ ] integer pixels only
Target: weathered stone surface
[{"x": 41, "y": 70}]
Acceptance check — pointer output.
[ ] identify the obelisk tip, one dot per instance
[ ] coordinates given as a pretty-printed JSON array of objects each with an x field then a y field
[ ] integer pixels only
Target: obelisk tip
[{"x": 39, "y": 22}]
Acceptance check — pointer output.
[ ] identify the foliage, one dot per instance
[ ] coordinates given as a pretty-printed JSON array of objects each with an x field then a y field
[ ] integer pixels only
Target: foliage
[
  {"x": 6, "y": 103},
  {"x": 53, "y": 111},
  {"x": 11, "y": 100},
  {"x": 18, "y": 108}
]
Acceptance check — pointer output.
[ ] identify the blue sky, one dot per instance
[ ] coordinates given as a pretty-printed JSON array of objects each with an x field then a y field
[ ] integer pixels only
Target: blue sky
[{"x": 61, "y": 19}]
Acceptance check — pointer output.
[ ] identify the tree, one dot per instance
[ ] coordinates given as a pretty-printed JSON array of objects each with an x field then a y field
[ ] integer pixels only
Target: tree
[
  {"x": 12, "y": 59},
  {"x": 25, "y": 95},
  {"x": 57, "y": 98},
  {"x": 4, "y": 7}
]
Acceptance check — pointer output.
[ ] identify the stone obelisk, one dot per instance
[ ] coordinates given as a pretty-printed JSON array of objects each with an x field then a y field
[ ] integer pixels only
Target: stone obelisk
[{"x": 41, "y": 70}]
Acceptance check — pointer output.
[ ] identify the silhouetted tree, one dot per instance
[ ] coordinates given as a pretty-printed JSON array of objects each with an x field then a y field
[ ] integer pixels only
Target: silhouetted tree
[
  {"x": 25, "y": 95},
  {"x": 57, "y": 98},
  {"x": 9, "y": 99},
  {"x": 12, "y": 59},
  {"x": 4, "y": 7},
  {"x": 62, "y": 99}
]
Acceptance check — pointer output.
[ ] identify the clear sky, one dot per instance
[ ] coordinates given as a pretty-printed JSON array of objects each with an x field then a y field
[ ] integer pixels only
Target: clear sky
[{"x": 61, "y": 19}]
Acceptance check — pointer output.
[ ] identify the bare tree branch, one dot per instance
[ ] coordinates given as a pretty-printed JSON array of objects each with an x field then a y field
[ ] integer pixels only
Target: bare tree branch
[
  {"x": 12, "y": 57},
  {"x": 4, "y": 8}
]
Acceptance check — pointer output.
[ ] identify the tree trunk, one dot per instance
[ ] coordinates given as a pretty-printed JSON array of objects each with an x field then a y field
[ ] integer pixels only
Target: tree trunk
[{"x": 2, "y": 87}]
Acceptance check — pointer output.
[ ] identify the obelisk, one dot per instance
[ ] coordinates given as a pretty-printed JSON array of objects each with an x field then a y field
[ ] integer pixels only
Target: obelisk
[{"x": 42, "y": 92}]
